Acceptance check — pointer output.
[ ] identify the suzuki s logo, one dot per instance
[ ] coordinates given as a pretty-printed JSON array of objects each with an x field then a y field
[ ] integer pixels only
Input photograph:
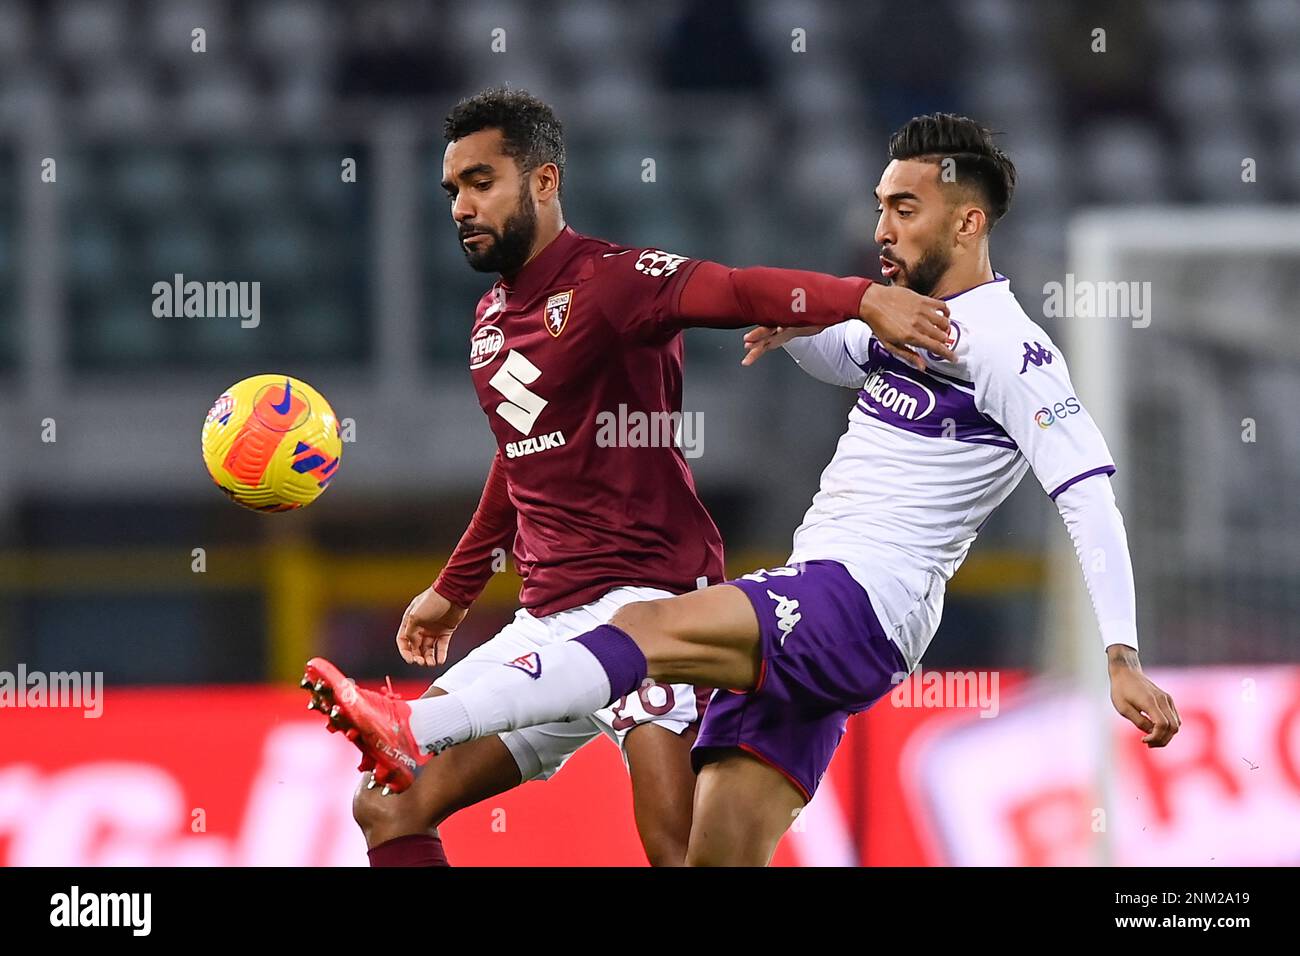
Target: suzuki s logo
[
  {"x": 1036, "y": 355},
  {"x": 485, "y": 345},
  {"x": 1047, "y": 417},
  {"x": 512, "y": 380},
  {"x": 903, "y": 396}
]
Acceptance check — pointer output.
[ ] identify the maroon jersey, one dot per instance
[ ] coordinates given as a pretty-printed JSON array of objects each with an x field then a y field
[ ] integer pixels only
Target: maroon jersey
[{"x": 587, "y": 335}]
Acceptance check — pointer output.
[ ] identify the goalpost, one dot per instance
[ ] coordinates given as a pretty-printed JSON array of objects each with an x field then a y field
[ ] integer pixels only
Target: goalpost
[{"x": 1196, "y": 399}]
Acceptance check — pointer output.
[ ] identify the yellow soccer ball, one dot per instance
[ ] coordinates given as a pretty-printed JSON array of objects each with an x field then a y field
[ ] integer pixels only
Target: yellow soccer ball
[{"x": 271, "y": 442}]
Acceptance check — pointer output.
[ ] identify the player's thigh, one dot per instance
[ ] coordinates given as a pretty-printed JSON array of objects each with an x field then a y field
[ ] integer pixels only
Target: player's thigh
[
  {"x": 743, "y": 806},
  {"x": 709, "y": 637},
  {"x": 457, "y": 778}
]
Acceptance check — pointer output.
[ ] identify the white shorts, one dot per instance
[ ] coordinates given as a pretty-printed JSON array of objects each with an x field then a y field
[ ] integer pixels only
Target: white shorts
[{"x": 541, "y": 750}]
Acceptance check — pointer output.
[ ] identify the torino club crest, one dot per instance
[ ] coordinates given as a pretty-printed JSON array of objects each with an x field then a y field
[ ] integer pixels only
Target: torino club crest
[{"x": 557, "y": 312}]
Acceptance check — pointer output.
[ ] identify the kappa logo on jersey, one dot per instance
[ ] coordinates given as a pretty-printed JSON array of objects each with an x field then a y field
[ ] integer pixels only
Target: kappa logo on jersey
[
  {"x": 529, "y": 663},
  {"x": 954, "y": 336},
  {"x": 1036, "y": 355},
  {"x": 787, "y": 613},
  {"x": 899, "y": 394},
  {"x": 557, "y": 312},
  {"x": 485, "y": 345},
  {"x": 656, "y": 262}
]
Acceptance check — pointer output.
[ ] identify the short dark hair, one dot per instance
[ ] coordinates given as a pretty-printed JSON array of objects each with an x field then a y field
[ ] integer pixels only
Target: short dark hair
[
  {"x": 979, "y": 161},
  {"x": 530, "y": 132}
]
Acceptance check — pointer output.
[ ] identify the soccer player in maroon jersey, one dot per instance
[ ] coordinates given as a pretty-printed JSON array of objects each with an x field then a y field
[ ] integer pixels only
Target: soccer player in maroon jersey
[{"x": 578, "y": 326}]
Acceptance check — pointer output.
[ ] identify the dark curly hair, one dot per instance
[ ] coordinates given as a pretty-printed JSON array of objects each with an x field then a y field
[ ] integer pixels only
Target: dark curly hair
[
  {"x": 980, "y": 163},
  {"x": 530, "y": 132}
]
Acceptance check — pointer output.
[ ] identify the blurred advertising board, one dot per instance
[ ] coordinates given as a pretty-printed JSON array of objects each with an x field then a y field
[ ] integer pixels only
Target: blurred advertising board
[{"x": 245, "y": 776}]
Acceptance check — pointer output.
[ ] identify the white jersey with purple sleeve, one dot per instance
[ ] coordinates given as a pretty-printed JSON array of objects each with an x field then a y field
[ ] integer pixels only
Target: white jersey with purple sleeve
[{"x": 929, "y": 455}]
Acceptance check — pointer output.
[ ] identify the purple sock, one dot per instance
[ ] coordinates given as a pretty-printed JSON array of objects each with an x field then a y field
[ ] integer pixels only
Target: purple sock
[{"x": 624, "y": 663}]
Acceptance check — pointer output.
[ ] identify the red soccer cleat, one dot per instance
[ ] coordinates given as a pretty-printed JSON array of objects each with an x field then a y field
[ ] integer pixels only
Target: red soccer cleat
[{"x": 378, "y": 723}]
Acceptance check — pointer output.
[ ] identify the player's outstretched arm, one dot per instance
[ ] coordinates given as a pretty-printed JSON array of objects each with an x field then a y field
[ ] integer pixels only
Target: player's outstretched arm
[
  {"x": 1038, "y": 407},
  {"x": 716, "y": 296},
  {"x": 903, "y": 320},
  {"x": 1097, "y": 529},
  {"x": 425, "y": 632},
  {"x": 825, "y": 354}
]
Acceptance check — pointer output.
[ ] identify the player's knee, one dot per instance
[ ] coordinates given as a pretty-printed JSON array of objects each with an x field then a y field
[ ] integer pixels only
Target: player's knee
[
  {"x": 646, "y": 622},
  {"x": 368, "y": 808},
  {"x": 385, "y": 818}
]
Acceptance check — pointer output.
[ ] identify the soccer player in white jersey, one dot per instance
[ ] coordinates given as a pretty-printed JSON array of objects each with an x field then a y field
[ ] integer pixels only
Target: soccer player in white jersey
[{"x": 932, "y": 448}]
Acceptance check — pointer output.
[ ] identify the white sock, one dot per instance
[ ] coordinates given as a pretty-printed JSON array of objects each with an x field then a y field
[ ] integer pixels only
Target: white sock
[
  {"x": 437, "y": 727},
  {"x": 561, "y": 682}
]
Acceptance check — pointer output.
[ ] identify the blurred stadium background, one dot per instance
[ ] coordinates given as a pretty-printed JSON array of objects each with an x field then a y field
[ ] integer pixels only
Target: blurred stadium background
[{"x": 225, "y": 165}]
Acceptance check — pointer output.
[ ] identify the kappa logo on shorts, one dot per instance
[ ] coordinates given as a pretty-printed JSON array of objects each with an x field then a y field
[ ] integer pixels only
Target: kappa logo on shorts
[
  {"x": 529, "y": 663},
  {"x": 787, "y": 614}
]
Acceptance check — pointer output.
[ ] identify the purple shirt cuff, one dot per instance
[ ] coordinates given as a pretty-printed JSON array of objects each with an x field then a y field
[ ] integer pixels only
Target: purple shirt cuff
[{"x": 1103, "y": 470}]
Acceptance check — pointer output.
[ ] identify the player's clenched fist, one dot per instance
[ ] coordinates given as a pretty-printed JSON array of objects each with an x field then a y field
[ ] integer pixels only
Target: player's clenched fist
[
  {"x": 901, "y": 318},
  {"x": 426, "y": 628}
]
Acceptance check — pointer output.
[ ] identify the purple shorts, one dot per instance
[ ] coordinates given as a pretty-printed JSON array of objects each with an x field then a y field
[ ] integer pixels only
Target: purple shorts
[{"x": 825, "y": 656}]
